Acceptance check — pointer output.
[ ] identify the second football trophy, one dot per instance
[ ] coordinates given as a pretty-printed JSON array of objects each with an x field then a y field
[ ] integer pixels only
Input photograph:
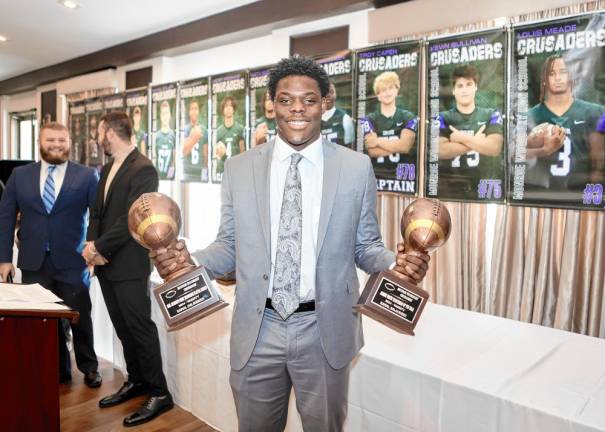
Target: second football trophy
[
  {"x": 391, "y": 300},
  {"x": 154, "y": 221}
]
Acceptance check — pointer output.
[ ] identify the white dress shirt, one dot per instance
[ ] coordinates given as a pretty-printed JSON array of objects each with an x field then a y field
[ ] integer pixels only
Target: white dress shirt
[
  {"x": 58, "y": 176},
  {"x": 311, "y": 175},
  {"x": 118, "y": 160}
]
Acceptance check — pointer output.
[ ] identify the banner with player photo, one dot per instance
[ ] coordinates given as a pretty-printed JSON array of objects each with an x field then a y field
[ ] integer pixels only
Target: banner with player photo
[
  {"x": 114, "y": 102},
  {"x": 194, "y": 130},
  {"x": 388, "y": 106},
  {"x": 163, "y": 129},
  {"x": 228, "y": 120},
  {"x": 137, "y": 109},
  {"x": 466, "y": 91},
  {"x": 262, "y": 113},
  {"x": 95, "y": 153},
  {"x": 336, "y": 122},
  {"x": 77, "y": 123},
  {"x": 558, "y": 107}
]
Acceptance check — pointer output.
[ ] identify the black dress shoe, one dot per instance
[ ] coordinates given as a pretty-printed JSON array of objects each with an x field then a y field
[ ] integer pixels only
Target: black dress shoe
[
  {"x": 127, "y": 391},
  {"x": 65, "y": 379},
  {"x": 151, "y": 408},
  {"x": 93, "y": 379}
]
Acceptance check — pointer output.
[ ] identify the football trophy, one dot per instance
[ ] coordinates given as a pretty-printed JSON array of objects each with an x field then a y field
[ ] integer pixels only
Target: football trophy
[
  {"x": 391, "y": 300},
  {"x": 154, "y": 221}
]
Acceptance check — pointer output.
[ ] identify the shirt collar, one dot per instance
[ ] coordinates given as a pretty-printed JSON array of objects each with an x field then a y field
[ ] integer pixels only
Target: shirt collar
[
  {"x": 313, "y": 152},
  {"x": 327, "y": 115},
  {"x": 120, "y": 156},
  {"x": 59, "y": 167}
]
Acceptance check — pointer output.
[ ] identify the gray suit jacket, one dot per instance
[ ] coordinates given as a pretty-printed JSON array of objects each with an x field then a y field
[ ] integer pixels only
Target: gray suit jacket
[{"x": 348, "y": 236}]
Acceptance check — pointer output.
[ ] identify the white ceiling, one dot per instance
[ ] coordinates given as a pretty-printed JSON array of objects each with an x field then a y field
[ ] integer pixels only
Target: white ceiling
[{"x": 43, "y": 32}]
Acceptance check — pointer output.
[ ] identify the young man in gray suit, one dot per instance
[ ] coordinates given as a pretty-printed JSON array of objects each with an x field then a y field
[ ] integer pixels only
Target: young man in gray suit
[{"x": 298, "y": 214}]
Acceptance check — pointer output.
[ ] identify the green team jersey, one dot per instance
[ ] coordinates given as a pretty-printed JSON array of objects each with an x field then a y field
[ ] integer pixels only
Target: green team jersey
[
  {"x": 271, "y": 126},
  {"x": 567, "y": 171},
  {"x": 141, "y": 138},
  {"x": 333, "y": 129},
  {"x": 164, "y": 147},
  {"x": 390, "y": 127},
  {"x": 194, "y": 163},
  {"x": 230, "y": 137},
  {"x": 459, "y": 177}
]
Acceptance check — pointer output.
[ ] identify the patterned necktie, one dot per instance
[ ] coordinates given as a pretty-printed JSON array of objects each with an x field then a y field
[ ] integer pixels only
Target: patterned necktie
[
  {"x": 286, "y": 279},
  {"x": 48, "y": 196}
]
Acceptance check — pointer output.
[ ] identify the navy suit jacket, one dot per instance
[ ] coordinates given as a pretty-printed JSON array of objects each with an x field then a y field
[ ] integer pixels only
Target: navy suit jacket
[{"x": 64, "y": 229}]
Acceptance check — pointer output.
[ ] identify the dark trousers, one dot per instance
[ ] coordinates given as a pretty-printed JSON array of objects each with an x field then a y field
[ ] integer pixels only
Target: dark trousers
[
  {"x": 129, "y": 308},
  {"x": 70, "y": 287}
]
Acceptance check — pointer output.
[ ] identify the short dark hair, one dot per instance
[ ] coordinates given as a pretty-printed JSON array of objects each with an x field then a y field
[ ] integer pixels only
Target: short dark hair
[
  {"x": 465, "y": 71},
  {"x": 119, "y": 122},
  {"x": 229, "y": 99},
  {"x": 301, "y": 66}
]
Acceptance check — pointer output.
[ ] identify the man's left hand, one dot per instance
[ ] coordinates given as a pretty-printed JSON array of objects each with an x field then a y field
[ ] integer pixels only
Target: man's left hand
[
  {"x": 91, "y": 256},
  {"x": 411, "y": 265}
]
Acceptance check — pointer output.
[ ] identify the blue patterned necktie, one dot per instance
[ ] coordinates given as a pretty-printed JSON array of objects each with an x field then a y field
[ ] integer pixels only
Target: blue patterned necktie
[
  {"x": 286, "y": 279},
  {"x": 48, "y": 196}
]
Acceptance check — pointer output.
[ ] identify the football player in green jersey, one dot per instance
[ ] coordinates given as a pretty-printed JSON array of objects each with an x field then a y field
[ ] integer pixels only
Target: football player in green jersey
[
  {"x": 390, "y": 131},
  {"x": 165, "y": 144},
  {"x": 195, "y": 148},
  {"x": 229, "y": 135},
  {"x": 140, "y": 136},
  {"x": 470, "y": 141},
  {"x": 336, "y": 124},
  {"x": 564, "y": 148},
  {"x": 265, "y": 127}
]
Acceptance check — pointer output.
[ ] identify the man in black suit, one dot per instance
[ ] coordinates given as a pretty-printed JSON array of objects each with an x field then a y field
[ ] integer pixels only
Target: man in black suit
[{"x": 123, "y": 268}]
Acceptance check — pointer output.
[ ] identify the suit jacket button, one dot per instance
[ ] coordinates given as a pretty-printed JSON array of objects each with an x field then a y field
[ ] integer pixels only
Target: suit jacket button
[{"x": 265, "y": 277}]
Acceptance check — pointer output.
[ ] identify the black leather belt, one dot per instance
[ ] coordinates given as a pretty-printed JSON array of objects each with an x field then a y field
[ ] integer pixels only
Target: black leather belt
[{"x": 302, "y": 307}]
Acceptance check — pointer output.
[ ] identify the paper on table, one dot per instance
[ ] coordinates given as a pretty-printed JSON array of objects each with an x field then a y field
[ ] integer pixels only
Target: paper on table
[
  {"x": 27, "y": 293},
  {"x": 8, "y": 305}
]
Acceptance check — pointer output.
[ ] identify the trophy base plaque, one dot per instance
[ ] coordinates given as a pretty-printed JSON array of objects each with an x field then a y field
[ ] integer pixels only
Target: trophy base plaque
[
  {"x": 188, "y": 298},
  {"x": 392, "y": 301}
]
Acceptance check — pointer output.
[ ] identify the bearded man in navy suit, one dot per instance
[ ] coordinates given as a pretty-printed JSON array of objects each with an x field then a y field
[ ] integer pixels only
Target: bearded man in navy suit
[{"x": 54, "y": 196}]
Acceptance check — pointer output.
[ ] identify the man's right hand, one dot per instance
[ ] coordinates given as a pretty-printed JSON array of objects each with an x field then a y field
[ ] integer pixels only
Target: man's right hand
[
  {"x": 171, "y": 259},
  {"x": 6, "y": 269}
]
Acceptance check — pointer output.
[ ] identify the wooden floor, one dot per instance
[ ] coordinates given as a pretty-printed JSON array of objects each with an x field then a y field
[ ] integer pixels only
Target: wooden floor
[{"x": 80, "y": 411}]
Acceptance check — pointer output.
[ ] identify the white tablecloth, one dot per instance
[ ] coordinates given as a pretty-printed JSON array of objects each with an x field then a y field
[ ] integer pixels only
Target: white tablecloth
[{"x": 462, "y": 371}]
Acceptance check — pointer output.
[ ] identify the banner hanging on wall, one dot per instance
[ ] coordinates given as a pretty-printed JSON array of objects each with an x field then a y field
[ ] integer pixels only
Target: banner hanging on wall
[
  {"x": 228, "y": 120},
  {"x": 95, "y": 153},
  {"x": 465, "y": 143},
  {"x": 262, "y": 112},
  {"x": 77, "y": 131},
  {"x": 163, "y": 129},
  {"x": 558, "y": 107},
  {"x": 194, "y": 130},
  {"x": 114, "y": 102},
  {"x": 388, "y": 106},
  {"x": 137, "y": 109},
  {"x": 336, "y": 122}
]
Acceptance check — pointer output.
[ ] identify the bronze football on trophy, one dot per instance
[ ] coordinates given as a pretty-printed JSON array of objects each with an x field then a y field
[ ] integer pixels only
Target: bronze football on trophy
[
  {"x": 425, "y": 224},
  {"x": 154, "y": 221}
]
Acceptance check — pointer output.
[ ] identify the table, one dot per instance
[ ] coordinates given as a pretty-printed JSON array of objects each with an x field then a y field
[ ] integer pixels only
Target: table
[{"x": 463, "y": 371}]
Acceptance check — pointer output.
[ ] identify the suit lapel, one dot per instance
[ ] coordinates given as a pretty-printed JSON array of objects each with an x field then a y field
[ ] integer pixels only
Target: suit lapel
[
  {"x": 68, "y": 179},
  {"x": 329, "y": 187},
  {"x": 262, "y": 186},
  {"x": 123, "y": 168},
  {"x": 35, "y": 185}
]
